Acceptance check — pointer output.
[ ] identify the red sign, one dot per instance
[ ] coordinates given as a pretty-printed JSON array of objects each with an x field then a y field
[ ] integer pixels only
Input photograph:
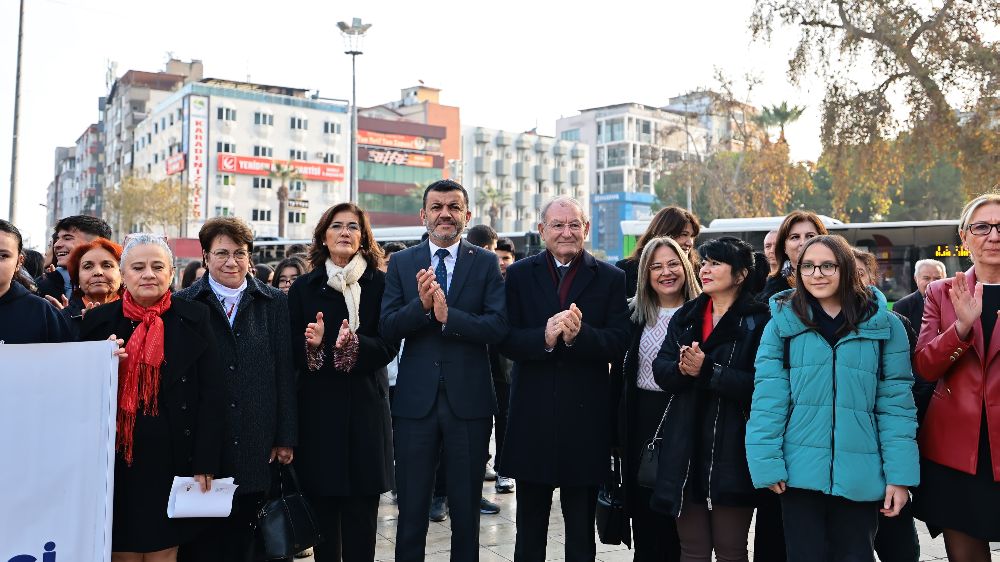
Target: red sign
[
  {"x": 396, "y": 158},
  {"x": 392, "y": 140},
  {"x": 256, "y": 166},
  {"x": 175, "y": 164}
]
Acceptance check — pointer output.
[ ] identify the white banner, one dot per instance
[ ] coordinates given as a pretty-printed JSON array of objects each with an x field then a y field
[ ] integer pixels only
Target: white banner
[{"x": 57, "y": 403}]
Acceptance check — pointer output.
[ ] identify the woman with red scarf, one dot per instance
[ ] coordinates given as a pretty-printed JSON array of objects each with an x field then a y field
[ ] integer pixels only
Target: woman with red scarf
[{"x": 169, "y": 402}]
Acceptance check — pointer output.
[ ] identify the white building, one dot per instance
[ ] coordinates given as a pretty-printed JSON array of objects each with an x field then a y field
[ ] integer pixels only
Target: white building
[
  {"x": 90, "y": 170},
  {"x": 631, "y": 145},
  {"x": 220, "y": 138},
  {"x": 63, "y": 197},
  {"x": 527, "y": 169}
]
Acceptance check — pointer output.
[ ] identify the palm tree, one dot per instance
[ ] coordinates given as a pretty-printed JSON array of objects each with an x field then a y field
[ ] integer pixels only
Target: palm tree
[
  {"x": 779, "y": 116},
  {"x": 493, "y": 199},
  {"x": 285, "y": 174}
]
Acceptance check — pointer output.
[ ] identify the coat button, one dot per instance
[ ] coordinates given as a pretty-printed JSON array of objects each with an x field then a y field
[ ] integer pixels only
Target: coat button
[
  {"x": 184, "y": 406},
  {"x": 184, "y": 379},
  {"x": 237, "y": 334},
  {"x": 236, "y": 441},
  {"x": 437, "y": 363},
  {"x": 232, "y": 367},
  {"x": 187, "y": 432},
  {"x": 232, "y": 404}
]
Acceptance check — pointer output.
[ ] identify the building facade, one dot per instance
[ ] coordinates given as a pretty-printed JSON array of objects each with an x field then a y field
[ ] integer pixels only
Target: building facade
[
  {"x": 62, "y": 197},
  {"x": 510, "y": 176},
  {"x": 219, "y": 140},
  {"x": 630, "y": 146},
  {"x": 90, "y": 170},
  {"x": 422, "y": 104}
]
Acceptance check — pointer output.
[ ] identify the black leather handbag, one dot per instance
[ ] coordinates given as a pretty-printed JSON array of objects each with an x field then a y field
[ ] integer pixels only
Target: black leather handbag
[
  {"x": 612, "y": 524},
  {"x": 286, "y": 523},
  {"x": 650, "y": 456}
]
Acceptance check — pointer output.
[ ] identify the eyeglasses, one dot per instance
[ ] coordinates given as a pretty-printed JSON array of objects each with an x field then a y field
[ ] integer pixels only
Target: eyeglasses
[
  {"x": 658, "y": 268},
  {"x": 982, "y": 228},
  {"x": 282, "y": 281},
  {"x": 560, "y": 226},
  {"x": 353, "y": 227},
  {"x": 825, "y": 269},
  {"x": 223, "y": 256}
]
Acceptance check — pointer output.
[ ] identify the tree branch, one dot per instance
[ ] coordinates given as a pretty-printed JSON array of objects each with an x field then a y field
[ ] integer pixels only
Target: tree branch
[
  {"x": 849, "y": 26},
  {"x": 927, "y": 25},
  {"x": 890, "y": 80},
  {"x": 820, "y": 23}
]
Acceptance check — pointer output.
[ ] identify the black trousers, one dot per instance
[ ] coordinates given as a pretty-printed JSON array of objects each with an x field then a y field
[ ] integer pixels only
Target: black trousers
[
  {"x": 896, "y": 539},
  {"x": 418, "y": 442},
  {"x": 229, "y": 539},
  {"x": 769, "y": 534},
  {"x": 348, "y": 527},
  {"x": 822, "y": 528},
  {"x": 502, "y": 390},
  {"x": 654, "y": 534},
  {"x": 534, "y": 502}
]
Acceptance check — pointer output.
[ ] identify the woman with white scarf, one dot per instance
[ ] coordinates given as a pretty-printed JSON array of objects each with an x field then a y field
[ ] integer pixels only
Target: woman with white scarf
[{"x": 344, "y": 457}]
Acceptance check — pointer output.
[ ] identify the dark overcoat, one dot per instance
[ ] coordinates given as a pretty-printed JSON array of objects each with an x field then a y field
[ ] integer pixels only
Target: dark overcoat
[
  {"x": 255, "y": 355},
  {"x": 345, "y": 430},
  {"x": 191, "y": 396},
  {"x": 561, "y": 419}
]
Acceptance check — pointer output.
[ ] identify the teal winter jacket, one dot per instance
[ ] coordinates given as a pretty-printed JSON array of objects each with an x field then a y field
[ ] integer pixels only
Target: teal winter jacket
[{"x": 833, "y": 422}]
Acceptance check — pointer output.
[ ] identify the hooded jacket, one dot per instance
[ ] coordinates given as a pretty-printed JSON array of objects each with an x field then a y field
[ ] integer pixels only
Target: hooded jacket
[
  {"x": 27, "y": 318},
  {"x": 833, "y": 422}
]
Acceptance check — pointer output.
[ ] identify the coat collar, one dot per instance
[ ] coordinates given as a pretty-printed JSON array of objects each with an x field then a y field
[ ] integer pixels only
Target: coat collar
[
  {"x": 875, "y": 327},
  {"x": 730, "y": 326},
  {"x": 319, "y": 278},
  {"x": 254, "y": 287},
  {"x": 586, "y": 272}
]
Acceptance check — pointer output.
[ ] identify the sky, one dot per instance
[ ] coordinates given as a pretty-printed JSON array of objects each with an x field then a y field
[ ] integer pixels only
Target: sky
[{"x": 512, "y": 65}]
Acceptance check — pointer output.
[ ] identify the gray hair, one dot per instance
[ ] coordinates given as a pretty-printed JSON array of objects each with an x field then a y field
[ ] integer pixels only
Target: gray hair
[
  {"x": 563, "y": 200},
  {"x": 917, "y": 266},
  {"x": 971, "y": 206},
  {"x": 146, "y": 239}
]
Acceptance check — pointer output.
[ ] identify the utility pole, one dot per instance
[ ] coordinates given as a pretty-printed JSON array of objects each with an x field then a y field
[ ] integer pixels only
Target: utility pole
[{"x": 17, "y": 113}]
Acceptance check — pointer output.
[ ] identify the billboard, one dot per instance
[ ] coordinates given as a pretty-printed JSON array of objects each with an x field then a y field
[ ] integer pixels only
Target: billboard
[
  {"x": 196, "y": 148},
  {"x": 257, "y": 166}
]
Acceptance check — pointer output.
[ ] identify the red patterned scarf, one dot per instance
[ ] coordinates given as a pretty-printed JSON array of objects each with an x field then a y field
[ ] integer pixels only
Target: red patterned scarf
[{"x": 139, "y": 374}]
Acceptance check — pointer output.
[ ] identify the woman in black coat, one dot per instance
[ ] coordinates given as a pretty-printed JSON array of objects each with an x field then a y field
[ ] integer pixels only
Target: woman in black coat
[
  {"x": 675, "y": 222},
  {"x": 668, "y": 283},
  {"x": 180, "y": 432},
  {"x": 344, "y": 456},
  {"x": 706, "y": 363}
]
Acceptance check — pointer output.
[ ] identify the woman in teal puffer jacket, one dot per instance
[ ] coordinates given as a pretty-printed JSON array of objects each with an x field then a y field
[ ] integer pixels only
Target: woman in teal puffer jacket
[{"x": 832, "y": 424}]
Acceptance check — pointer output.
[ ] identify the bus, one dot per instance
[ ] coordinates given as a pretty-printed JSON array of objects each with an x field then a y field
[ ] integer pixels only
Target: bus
[
  {"x": 896, "y": 245},
  {"x": 271, "y": 251}
]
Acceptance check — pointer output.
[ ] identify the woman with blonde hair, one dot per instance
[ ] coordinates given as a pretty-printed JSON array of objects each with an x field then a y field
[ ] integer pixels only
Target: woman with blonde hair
[{"x": 667, "y": 283}]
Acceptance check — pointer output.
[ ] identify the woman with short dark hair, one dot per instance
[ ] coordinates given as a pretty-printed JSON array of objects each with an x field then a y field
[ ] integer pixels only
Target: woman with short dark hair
[
  {"x": 287, "y": 271},
  {"x": 344, "y": 456},
  {"x": 706, "y": 364}
]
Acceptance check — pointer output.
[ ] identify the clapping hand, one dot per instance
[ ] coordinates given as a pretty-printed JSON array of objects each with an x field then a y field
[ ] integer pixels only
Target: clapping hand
[
  {"x": 426, "y": 283},
  {"x": 343, "y": 335},
  {"x": 572, "y": 320},
  {"x": 691, "y": 360},
  {"x": 968, "y": 305},
  {"x": 314, "y": 332},
  {"x": 440, "y": 304},
  {"x": 554, "y": 327},
  {"x": 60, "y": 304}
]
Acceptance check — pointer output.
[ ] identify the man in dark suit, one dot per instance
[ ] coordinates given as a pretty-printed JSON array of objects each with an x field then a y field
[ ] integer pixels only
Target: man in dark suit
[
  {"x": 912, "y": 305},
  {"x": 565, "y": 330},
  {"x": 445, "y": 297}
]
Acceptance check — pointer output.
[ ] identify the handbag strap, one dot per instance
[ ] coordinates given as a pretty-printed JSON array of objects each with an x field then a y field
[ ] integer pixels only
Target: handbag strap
[
  {"x": 659, "y": 428},
  {"x": 290, "y": 470}
]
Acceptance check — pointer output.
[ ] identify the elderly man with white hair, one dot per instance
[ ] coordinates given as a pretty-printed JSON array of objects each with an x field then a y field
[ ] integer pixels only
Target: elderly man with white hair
[{"x": 912, "y": 305}]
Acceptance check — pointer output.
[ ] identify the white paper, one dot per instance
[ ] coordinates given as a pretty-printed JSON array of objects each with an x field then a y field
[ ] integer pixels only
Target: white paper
[{"x": 187, "y": 499}]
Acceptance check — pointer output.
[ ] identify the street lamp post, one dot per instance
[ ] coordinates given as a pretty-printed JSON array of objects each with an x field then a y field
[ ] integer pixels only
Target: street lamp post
[{"x": 354, "y": 35}]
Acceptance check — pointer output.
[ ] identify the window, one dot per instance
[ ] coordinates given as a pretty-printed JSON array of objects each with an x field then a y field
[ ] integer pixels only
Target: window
[
  {"x": 156, "y": 158},
  {"x": 171, "y": 119},
  {"x": 223, "y": 211},
  {"x": 570, "y": 135},
  {"x": 261, "y": 118},
  {"x": 229, "y": 147},
  {"x": 297, "y": 185},
  {"x": 331, "y": 158},
  {"x": 260, "y": 215},
  {"x": 296, "y": 217},
  {"x": 156, "y": 128},
  {"x": 224, "y": 179},
  {"x": 397, "y": 174},
  {"x": 262, "y": 183},
  {"x": 378, "y": 202},
  {"x": 163, "y": 123},
  {"x": 296, "y": 154},
  {"x": 617, "y": 155},
  {"x": 226, "y": 113},
  {"x": 331, "y": 128},
  {"x": 299, "y": 123},
  {"x": 265, "y": 151}
]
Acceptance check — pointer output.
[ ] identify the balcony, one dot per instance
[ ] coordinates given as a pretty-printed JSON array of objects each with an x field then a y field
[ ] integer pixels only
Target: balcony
[
  {"x": 502, "y": 167},
  {"x": 523, "y": 225},
  {"x": 524, "y": 142},
  {"x": 481, "y": 136},
  {"x": 542, "y": 172},
  {"x": 560, "y": 149},
  {"x": 578, "y": 152},
  {"x": 560, "y": 175},
  {"x": 482, "y": 165},
  {"x": 576, "y": 177},
  {"x": 522, "y": 170},
  {"x": 542, "y": 147},
  {"x": 522, "y": 199},
  {"x": 503, "y": 139}
]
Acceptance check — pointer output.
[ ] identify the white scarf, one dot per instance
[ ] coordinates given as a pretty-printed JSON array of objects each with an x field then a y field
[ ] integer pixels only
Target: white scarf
[
  {"x": 341, "y": 278},
  {"x": 230, "y": 298}
]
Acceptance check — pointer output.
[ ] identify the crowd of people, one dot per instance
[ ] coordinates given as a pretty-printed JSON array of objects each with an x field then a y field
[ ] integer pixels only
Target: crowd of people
[{"x": 727, "y": 381}]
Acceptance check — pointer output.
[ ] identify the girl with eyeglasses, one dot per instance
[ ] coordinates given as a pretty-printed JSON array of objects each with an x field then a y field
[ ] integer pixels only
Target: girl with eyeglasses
[
  {"x": 832, "y": 423},
  {"x": 960, "y": 434}
]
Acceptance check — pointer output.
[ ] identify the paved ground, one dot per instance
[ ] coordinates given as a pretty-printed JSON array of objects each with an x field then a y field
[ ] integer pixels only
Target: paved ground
[{"x": 496, "y": 536}]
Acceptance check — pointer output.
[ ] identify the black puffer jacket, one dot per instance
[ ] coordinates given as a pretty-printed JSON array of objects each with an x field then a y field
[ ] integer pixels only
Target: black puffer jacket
[{"x": 702, "y": 455}]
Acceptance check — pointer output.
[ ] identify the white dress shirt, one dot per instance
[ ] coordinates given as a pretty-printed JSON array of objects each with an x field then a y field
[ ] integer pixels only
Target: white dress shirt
[{"x": 449, "y": 262}]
